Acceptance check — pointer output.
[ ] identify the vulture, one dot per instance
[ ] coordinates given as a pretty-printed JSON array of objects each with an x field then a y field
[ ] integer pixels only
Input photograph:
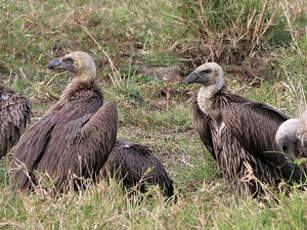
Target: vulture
[
  {"x": 136, "y": 165},
  {"x": 73, "y": 139},
  {"x": 239, "y": 134},
  {"x": 291, "y": 137},
  {"x": 15, "y": 114}
]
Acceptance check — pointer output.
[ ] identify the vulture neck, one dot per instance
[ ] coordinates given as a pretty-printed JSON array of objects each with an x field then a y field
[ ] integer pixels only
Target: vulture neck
[
  {"x": 79, "y": 82},
  {"x": 86, "y": 77},
  {"x": 206, "y": 93},
  {"x": 74, "y": 89}
]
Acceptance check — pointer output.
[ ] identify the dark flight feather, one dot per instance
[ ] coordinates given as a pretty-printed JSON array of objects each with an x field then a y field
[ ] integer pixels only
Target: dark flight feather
[
  {"x": 241, "y": 145},
  {"x": 239, "y": 133},
  {"x": 15, "y": 114},
  {"x": 136, "y": 165},
  {"x": 73, "y": 139}
]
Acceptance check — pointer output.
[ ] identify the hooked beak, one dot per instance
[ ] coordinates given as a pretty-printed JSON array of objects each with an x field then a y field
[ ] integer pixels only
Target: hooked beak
[
  {"x": 192, "y": 78},
  {"x": 61, "y": 63}
]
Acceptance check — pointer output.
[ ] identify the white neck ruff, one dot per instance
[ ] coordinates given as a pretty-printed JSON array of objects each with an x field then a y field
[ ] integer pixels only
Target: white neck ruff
[{"x": 204, "y": 97}]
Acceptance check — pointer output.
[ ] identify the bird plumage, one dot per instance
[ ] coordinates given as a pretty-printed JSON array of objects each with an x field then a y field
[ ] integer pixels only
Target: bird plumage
[
  {"x": 73, "y": 138},
  {"x": 238, "y": 133},
  {"x": 136, "y": 165},
  {"x": 15, "y": 114}
]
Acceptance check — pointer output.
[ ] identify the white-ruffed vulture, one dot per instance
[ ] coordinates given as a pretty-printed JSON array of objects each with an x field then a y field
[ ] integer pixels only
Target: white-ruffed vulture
[
  {"x": 74, "y": 138},
  {"x": 136, "y": 165},
  {"x": 291, "y": 136},
  {"x": 239, "y": 133},
  {"x": 15, "y": 114}
]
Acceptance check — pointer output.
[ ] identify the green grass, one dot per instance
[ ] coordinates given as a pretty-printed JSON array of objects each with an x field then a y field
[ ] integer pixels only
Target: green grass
[{"x": 152, "y": 111}]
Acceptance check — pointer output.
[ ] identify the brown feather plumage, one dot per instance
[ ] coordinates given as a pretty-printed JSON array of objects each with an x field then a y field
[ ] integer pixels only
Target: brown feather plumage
[
  {"x": 15, "y": 114},
  {"x": 135, "y": 164},
  {"x": 239, "y": 132},
  {"x": 71, "y": 141}
]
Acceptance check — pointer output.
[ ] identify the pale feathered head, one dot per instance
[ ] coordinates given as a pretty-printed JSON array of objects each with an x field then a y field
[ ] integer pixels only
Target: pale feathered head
[
  {"x": 286, "y": 137},
  {"x": 207, "y": 74},
  {"x": 80, "y": 63}
]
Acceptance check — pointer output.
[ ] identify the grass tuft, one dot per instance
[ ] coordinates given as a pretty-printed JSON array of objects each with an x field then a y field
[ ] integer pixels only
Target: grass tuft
[{"x": 260, "y": 44}]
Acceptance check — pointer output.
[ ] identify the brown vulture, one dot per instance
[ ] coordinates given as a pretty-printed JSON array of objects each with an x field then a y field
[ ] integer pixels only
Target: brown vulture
[
  {"x": 239, "y": 133},
  {"x": 291, "y": 137},
  {"x": 15, "y": 113},
  {"x": 136, "y": 165},
  {"x": 73, "y": 139}
]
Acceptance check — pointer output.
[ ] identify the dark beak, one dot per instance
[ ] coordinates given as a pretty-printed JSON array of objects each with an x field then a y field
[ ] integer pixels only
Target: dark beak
[
  {"x": 60, "y": 63},
  {"x": 55, "y": 64},
  {"x": 192, "y": 78}
]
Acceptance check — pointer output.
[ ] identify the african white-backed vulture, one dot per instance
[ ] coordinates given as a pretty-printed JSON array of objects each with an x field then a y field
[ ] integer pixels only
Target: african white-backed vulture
[
  {"x": 74, "y": 137},
  {"x": 238, "y": 133},
  {"x": 136, "y": 165},
  {"x": 15, "y": 113},
  {"x": 291, "y": 136}
]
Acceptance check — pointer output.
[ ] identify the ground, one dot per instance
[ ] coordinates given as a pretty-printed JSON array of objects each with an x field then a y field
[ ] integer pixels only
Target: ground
[{"x": 262, "y": 47}]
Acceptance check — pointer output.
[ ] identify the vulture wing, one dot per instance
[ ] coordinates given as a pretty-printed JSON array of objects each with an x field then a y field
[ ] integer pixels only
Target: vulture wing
[
  {"x": 98, "y": 135},
  {"x": 64, "y": 142},
  {"x": 136, "y": 164},
  {"x": 15, "y": 112},
  {"x": 254, "y": 125}
]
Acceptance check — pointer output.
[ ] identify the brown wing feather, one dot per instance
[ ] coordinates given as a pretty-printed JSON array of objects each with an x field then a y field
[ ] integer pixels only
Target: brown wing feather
[
  {"x": 136, "y": 165},
  {"x": 15, "y": 113},
  {"x": 99, "y": 131},
  {"x": 254, "y": 126},
  {"x": 72, "y": 139}
]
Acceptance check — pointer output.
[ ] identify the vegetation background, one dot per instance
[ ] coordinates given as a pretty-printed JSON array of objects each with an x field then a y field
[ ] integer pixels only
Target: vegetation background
[{"x": 143, "y": 49}]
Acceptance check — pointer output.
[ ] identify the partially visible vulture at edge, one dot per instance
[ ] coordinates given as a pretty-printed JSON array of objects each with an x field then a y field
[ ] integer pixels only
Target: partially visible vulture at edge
[
  {"x": 73, "y": 139},
  {"x": 238, "y": 133},
  {"x": 136, "y": 165},
  {"x": 291, "y": 136},
  {"x": 15, "y": 113}
]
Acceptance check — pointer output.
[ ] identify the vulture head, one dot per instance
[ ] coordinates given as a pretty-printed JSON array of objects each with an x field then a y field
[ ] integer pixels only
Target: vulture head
[
  {"x": 291, "y": 134},
  {"x": 80, "y": 63},
  {"x": 208, "y": 74},
  {"x": 286, "y": 137}
]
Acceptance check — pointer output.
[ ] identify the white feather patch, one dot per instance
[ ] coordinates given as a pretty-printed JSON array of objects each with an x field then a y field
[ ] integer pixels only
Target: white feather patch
[
  {"x": 4, "y": 97},
  {"x": 203, "y": 97}
]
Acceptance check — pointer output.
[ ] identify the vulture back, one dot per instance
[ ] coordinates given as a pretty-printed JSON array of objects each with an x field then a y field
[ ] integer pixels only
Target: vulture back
[{"x": 136, "y": 165}]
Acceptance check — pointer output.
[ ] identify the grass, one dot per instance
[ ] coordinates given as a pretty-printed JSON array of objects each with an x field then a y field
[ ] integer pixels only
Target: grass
[{"x": 262, "y": 46}]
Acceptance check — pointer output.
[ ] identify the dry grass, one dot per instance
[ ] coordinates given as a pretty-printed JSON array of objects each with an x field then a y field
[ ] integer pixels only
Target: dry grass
[{"x": 119, "y": 34}]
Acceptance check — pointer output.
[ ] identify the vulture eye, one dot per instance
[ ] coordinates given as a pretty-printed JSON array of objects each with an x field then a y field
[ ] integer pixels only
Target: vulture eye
[
  {"x": 205, "y": 71},
  {"x": 70, "y": 60}
]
